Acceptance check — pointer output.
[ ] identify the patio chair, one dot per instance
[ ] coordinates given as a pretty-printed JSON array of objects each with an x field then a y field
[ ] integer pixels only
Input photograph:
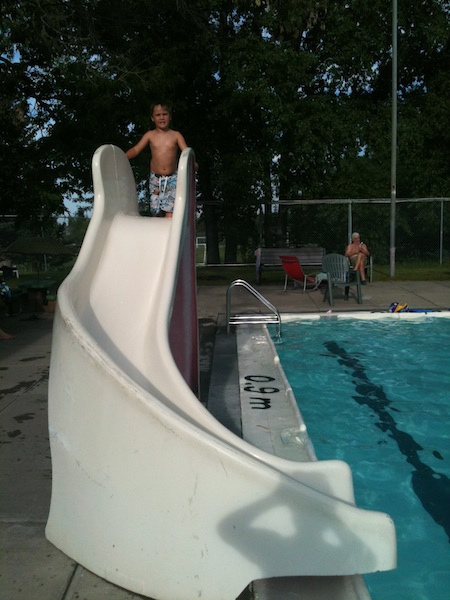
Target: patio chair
[
  {"x": 293, "y": 270},
  {"x": 339, "y": 274}
]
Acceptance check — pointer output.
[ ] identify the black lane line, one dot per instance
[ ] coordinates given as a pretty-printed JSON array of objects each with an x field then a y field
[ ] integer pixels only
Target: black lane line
[{"x": 431, "y": 487}]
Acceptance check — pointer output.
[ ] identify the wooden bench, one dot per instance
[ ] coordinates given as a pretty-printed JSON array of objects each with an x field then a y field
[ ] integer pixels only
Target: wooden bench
[{"x": 310, "y": 257}]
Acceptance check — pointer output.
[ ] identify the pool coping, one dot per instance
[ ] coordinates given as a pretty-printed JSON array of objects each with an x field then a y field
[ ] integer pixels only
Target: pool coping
[
  {"x": 270, "y": 417},
  {"x": 367, "y": 315}
]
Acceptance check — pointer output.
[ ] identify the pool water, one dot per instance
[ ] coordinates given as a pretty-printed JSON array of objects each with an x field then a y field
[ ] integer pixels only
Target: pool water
[{"x": 376, "y": 394}]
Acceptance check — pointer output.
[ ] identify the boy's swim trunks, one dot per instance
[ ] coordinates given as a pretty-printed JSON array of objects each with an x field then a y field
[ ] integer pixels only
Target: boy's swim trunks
[{"x": 162, "y": 193}]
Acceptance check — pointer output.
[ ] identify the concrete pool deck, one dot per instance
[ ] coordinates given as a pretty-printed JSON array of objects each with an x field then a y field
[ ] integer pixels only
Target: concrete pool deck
[
  {"x": 31, "y": 566},
  {"x": 377, "y": 296}
]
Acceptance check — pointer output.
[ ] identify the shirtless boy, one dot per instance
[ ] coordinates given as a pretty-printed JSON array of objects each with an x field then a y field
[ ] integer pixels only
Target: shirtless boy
[
  {"x": 165, "y": 145},
  {"x": 358, "y": 252}
]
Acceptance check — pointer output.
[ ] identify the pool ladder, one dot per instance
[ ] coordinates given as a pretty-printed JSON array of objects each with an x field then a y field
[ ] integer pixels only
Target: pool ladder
[{"x": 245, "y": 318}]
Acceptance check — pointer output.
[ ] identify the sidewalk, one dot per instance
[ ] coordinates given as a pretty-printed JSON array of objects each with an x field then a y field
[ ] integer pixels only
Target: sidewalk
[
  {"x": 376, "y": 297},
  {"x": 32, "y": 569}
]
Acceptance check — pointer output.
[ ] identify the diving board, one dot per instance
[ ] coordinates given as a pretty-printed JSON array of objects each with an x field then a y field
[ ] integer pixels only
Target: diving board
[{"x": 149, "y": 490}]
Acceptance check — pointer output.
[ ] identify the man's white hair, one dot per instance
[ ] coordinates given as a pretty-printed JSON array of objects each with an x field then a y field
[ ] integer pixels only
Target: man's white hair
[{"x": 355, "y": 234}]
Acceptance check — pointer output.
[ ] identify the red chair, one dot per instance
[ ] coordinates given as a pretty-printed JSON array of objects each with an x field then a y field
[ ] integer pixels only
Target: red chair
[{"x": 293, "y": 270}]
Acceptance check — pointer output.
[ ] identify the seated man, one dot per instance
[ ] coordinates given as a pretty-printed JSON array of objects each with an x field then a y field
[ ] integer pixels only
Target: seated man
[{"x": 357, "y": 252}]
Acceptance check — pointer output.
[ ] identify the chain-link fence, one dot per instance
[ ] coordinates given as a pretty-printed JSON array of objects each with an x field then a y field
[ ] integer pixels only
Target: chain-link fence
[{"x": 422, "y": 226}]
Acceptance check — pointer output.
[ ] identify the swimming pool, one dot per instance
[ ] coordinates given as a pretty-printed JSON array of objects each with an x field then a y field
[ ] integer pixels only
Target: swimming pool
[{"x": 376, "y": 394}]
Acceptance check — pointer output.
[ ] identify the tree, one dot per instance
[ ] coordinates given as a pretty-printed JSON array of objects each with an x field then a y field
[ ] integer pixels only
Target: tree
[{"x": 280, "y": 99}]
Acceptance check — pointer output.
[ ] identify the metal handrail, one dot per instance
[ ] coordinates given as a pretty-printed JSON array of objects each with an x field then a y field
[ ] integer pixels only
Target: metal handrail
[{"x": 273, "y": 317}]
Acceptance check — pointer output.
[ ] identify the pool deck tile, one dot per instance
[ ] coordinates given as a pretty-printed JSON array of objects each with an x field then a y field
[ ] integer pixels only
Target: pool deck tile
[{"x": 31, "y": 566}]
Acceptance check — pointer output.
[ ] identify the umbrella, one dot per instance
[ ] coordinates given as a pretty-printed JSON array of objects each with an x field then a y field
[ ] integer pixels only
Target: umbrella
[{"x": 38, "y": 246}]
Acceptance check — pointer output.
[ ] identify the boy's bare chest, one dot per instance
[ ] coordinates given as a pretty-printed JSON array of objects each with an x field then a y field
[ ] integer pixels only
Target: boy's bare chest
[{"x": 163, "y": 142}]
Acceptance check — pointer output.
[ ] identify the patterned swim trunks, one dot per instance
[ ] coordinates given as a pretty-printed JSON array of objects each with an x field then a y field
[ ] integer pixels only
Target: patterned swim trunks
[{"x": 162, "y": 193}]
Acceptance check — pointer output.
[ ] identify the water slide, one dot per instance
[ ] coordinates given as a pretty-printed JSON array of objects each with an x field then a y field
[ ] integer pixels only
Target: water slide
[{"x": 149, "y": 490}]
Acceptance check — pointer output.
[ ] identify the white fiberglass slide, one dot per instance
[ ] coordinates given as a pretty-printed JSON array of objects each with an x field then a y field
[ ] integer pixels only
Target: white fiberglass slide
[{"x": 149, "y": 491}]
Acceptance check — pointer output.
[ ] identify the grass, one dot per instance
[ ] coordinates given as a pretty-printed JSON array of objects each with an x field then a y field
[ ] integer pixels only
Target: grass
[
  {"x": 417, "y": 271},
  {"x": 224, "y": 275}
]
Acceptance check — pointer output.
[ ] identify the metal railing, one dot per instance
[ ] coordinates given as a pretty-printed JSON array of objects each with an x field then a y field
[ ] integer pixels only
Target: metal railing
[{"x": 246, "y": 318}]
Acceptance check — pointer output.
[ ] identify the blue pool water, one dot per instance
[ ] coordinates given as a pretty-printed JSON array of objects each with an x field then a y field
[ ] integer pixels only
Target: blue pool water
[{"x": 376, "y": 394}]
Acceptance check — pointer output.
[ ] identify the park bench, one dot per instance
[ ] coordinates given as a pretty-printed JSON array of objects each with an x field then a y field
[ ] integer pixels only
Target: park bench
[{"x": 310, "y": 257}]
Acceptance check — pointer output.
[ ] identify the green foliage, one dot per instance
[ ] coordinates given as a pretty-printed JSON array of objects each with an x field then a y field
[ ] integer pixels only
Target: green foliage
[
  {"x": 281, "y": 99},
  {"x": 76, "y": 229}
]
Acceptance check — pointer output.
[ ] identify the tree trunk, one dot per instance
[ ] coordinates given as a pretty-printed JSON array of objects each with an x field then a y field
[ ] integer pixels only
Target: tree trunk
[
  {"x": 268, "y": 216},
  {"x": 209, "y": 211},
  {"x": 231, "y": 238},
  {"x": 212, "y": 238}
]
